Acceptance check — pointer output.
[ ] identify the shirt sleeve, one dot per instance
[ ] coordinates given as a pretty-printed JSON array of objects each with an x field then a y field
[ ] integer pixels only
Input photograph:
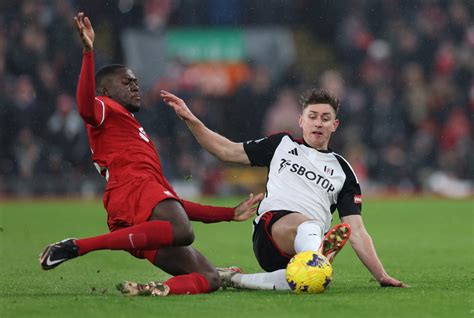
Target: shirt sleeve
[
  {"x": 91, "y": 108},
  {"x": 207, "y": 213},
  {"x": 260, "y": 151},
  {"x": 349, "y": 200}
]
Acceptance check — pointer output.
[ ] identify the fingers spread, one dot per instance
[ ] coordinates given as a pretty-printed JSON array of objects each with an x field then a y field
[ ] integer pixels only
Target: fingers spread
[
  {"x": 257, "y": 198},
  {"x": 170, "y": 96}
]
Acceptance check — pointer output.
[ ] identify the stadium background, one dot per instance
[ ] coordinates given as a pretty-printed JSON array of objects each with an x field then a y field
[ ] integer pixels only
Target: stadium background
[{"x": 403, "y": 69}]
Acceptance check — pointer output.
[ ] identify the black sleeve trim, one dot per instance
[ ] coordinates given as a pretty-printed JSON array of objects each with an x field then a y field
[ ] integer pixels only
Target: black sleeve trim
[
  {"x": 260, "y": 151},
  {"x": 349, "y": 200}
]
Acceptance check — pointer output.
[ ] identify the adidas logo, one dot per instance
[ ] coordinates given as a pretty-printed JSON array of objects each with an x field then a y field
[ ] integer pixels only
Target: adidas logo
[{"x": 293, "y": 152}]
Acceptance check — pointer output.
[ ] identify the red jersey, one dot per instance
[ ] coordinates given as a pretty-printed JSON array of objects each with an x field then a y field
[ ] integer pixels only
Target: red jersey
[
  {"x": 127, "y": 158},
  {"x": 121, "y": 149},
  {"x": 121, "y": 146}
]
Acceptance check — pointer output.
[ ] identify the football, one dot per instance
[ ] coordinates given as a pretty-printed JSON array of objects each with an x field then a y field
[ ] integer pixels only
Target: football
[{"x": 309, "y": 272}]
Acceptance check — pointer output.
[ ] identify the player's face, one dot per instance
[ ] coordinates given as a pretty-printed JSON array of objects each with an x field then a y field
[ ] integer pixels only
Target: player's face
[
  {"x": 318, "y": 122},
  {"x": 125, "y": 90}
]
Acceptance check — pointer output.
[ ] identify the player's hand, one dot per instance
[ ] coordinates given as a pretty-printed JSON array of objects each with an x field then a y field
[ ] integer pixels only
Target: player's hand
[
  {"x": 85, "y": 30},
  {"x": 178, "y": 105},
  {"x": 391, "y": 282},
  {"x": 247, "y": 208}
]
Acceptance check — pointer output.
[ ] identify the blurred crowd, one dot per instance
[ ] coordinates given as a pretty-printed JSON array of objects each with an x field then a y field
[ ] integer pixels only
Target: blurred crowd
[{"x": 402, "y": 69}]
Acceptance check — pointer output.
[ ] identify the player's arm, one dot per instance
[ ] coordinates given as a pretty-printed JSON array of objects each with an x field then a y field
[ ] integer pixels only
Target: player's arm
[
  {"x": 211, "y": 214},
  {"x": 91, "y": 109},
  {"x": 349, "y": 205},
  {"x": 364, "y": 247},
  {"x": 219, "y": 146}
]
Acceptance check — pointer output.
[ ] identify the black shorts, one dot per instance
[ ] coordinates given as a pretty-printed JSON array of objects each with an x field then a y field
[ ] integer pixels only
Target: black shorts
[{"x": 268, "y": 255}]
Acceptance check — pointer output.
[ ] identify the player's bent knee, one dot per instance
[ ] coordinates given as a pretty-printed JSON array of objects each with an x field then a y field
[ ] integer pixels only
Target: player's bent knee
[
  {"x": 173, "y": 212},
  {"x": 183, "y": 235}
]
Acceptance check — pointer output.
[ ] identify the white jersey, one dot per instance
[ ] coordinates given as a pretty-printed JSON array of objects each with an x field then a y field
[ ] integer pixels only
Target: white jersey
[{"x": 304, "y": 180}]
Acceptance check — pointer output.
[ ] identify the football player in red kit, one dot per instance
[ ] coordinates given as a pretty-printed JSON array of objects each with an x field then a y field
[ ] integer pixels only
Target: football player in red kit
[{"x": 145, "y": 215}]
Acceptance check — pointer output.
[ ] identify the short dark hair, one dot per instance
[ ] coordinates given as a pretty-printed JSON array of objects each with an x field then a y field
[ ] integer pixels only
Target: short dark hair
[
  {"x": 319, "y": 96},
  {"x": 104, "y": 72}
]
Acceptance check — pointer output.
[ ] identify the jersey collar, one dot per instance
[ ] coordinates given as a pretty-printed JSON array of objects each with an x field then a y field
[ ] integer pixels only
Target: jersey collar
[{"x": 303, "y": 142}]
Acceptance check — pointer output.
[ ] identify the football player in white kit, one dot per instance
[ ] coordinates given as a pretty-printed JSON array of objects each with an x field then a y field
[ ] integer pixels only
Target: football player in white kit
[{"x": 306, "y": 183}]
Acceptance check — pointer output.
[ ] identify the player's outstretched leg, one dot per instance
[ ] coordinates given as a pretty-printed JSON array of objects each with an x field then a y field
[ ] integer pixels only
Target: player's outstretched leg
[
  {"x": 57, "y": 253},
  {"x": 334, "y": 240},
  {"x": 231, "y": 277},
  {"x": 145, "y": 236},
  {"x": 193, "y": 274}
]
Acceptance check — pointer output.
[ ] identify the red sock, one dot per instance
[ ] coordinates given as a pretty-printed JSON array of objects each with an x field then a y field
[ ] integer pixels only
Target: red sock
[
  {"x": 193, "y": 283},
  {"x": 145, "y": 236}
]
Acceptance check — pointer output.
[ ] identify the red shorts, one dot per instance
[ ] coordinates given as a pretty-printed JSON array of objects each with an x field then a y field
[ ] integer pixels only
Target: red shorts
[{"x": 132, "y": 203}]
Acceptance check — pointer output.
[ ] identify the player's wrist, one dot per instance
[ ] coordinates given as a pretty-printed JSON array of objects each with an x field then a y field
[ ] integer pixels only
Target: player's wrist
[
  {"x": 193, "y": 120},
  {"x": 194, "y": 124}
]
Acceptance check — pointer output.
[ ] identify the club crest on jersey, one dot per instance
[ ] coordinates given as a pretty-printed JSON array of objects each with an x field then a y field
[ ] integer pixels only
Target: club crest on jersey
[
  {"x": 283, "y": 164},
  {"x": 328, "y": 171},
  {"x": 357, "y": 199},
  {"x": 142, "y": 134}
]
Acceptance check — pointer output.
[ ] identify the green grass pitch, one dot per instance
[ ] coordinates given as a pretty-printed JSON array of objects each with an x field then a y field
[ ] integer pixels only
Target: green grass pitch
[{"x": 427, "y": 243}]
